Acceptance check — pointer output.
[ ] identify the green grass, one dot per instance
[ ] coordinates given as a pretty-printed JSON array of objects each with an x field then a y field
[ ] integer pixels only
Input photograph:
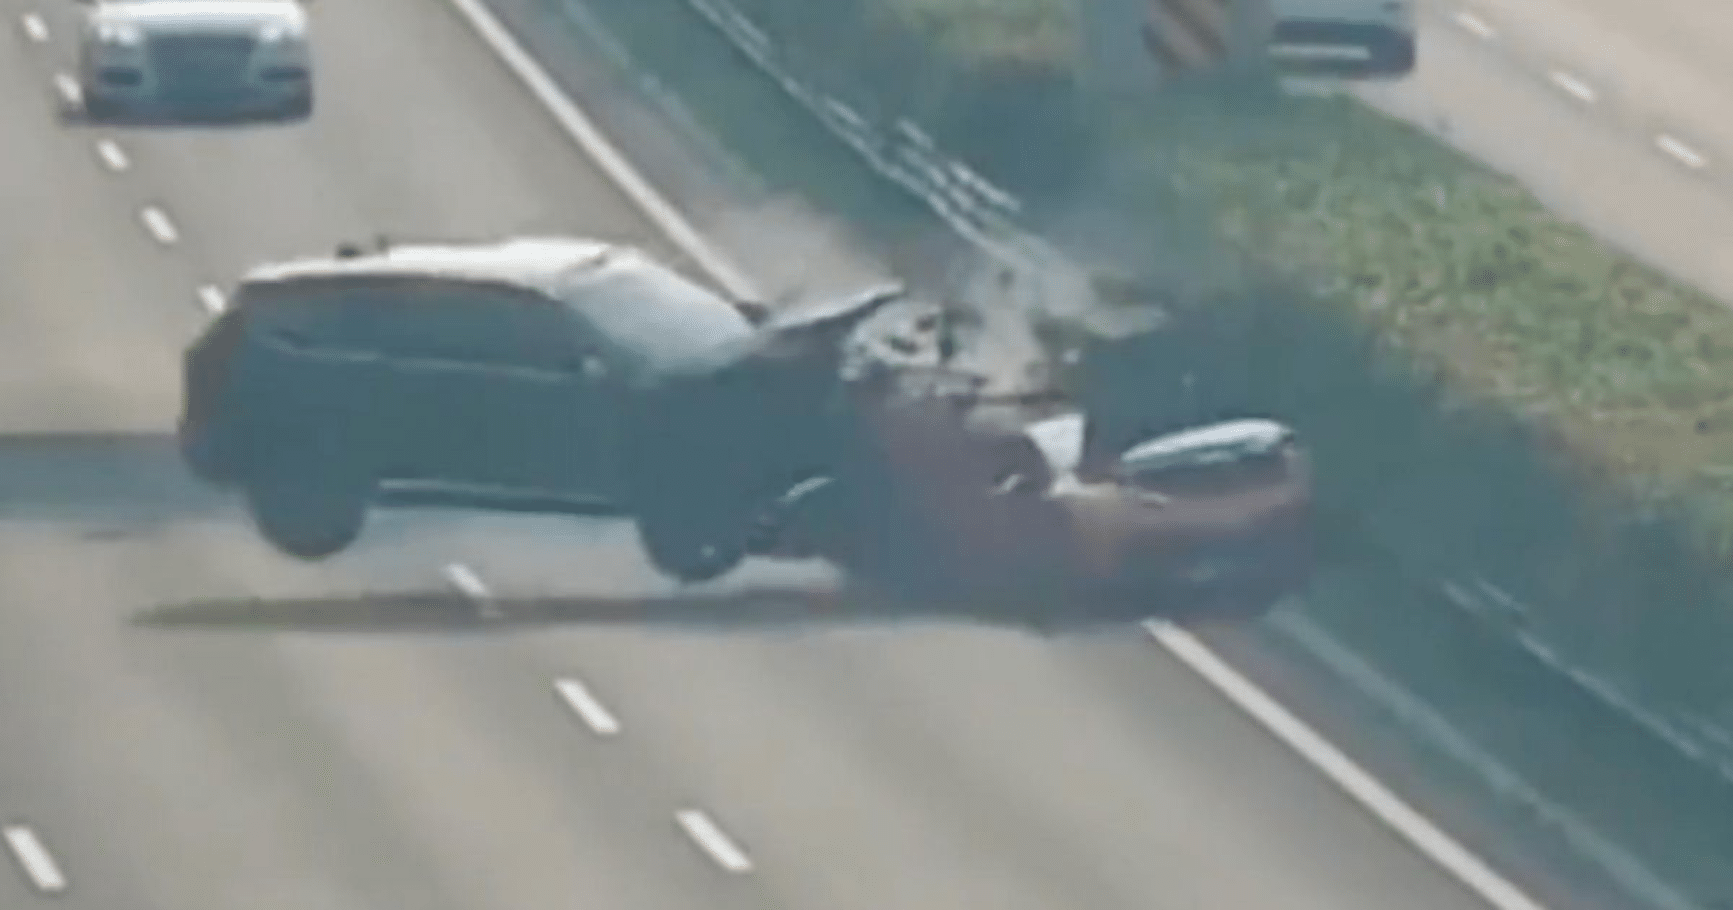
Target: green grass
[
  {"x": 1629, "y": 373},
  {"x": 991, "y": 34}
]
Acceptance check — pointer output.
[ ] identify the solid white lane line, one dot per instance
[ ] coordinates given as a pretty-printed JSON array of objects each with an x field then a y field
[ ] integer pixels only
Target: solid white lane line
[
  {"x": 211, "y": 299},
  {"x": 38, "y": 864},
  {"x": 156, "y": 222},
  {"x": 1681, "y": 152},
  {"x": 34, "y": 28},
  {"x": 112, "y": 155},
  {"x": 68, "y": 89},
  {"x": 1353, "y": 780},
  {"x": 587, "y": 707},
  {"x": 1474, "y": 24},
  {"x": 469, "y": 584},
  {"x": 1576, "y": 87},
  {"x": 710, "y": 838},
  {"x": 584, "y": 133}
]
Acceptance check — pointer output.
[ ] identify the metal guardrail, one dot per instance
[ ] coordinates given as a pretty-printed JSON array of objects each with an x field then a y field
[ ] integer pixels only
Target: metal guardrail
[
  {"x": 979, "y": 211},
  {"x": 1698, "y": 739}
]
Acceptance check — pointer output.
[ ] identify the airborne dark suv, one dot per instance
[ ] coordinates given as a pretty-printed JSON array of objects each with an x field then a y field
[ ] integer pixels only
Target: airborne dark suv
[{"x": 495, "y": 370}]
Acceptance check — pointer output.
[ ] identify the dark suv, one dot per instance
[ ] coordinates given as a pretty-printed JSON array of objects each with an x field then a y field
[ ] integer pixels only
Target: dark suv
[{"x": 493, "y": 370}]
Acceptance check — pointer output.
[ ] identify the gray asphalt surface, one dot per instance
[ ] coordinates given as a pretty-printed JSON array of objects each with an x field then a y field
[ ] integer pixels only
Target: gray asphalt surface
[{"x": 193, "y": 722}]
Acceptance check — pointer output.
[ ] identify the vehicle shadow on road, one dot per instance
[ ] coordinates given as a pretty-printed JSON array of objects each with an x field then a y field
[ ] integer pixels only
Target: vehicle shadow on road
[
  {"x": 748, "y": 611},
  {"x": 99, "y": 475}
]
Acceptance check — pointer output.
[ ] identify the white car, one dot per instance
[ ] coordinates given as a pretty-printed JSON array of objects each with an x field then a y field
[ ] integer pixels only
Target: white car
[{"x": 176, "y": 56}]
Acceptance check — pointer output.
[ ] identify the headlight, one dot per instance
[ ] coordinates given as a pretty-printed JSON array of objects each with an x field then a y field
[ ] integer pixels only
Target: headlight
[{"x": 118, "y": 33}]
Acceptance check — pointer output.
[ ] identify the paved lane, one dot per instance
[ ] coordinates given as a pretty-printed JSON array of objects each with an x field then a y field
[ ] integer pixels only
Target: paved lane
[{"x": 207, "y": 725}]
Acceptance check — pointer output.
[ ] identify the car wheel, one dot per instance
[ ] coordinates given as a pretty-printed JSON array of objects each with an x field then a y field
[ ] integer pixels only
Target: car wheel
[
  {"x": 309, "y": 517},
  {"x": 682, "y": 553}
]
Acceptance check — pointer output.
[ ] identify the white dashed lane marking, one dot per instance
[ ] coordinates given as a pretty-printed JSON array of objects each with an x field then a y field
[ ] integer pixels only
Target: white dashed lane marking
[
  {"x": 68, "y": 89},
  {"x": 710, "y": 838},
  {"x": 1680, "y": 152},
  {"x": 112, "y": 155},
  {"x": 469, "y": 584},
  {"x": 211, "y": 299},
  {"x": 34, "y": 28},
  {"x": 587, "y": 707},
  {"x": 33, "y": 857},
  {"x": 1573, "y": 86},
  {"x": 156, "y": 222},
  {"x": 1479, "y": 27}
]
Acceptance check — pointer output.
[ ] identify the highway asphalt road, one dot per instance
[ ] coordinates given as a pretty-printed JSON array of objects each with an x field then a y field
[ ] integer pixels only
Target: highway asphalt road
[
  {"x": 1614, "y": 112},
  {"x": 192, "y": 722}
]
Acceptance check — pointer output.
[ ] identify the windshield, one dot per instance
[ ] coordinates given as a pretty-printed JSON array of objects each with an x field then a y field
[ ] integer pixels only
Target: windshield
[{"x": 655, "y": 316}]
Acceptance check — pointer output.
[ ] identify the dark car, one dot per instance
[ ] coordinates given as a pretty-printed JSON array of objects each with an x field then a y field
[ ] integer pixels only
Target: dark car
[{"x": 497, "y": 372}]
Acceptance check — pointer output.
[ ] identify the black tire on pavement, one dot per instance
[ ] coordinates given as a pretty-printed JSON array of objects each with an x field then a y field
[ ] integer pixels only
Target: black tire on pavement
[
  {"x": 686, "y": 554},
  {"x": 308, "y": 517}
]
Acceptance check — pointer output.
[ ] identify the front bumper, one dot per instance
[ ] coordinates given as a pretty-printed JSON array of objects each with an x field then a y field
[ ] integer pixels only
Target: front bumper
[{"x": 179, "y": 80}]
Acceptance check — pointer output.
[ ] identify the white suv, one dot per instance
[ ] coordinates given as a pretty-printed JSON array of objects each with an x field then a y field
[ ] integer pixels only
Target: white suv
[{"x": 543, "y": 374}]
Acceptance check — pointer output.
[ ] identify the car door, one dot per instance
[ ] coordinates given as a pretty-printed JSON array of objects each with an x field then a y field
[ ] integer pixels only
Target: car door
[
  {"x": 430, "y": 409},
  {"x": 564, "y": 389},
  {"x": 510, "y": 390}
]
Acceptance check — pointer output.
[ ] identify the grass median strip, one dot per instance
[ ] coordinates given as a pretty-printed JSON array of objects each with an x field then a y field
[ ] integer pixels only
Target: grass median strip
[{"x": 1628, "y": 371}]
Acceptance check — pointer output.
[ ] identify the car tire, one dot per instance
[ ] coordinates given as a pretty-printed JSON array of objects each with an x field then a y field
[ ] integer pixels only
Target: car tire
[
  {"x": 687, "y": 555},
  {"x": 308, "y": 517}
]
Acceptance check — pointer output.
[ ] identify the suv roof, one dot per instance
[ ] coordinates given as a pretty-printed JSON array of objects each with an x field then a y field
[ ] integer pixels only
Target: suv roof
[{"x": 535, "y": 262}]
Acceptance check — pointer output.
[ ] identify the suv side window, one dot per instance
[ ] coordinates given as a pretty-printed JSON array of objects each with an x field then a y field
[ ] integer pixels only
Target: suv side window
[
  {"x": 314, "y": 314},
  {"x": 474, "y": 324},
  {"x": 421, "y": 319}
]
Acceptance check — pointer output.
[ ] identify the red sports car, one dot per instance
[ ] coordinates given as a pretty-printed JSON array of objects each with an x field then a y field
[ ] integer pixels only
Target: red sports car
[{"x": 947, "y": 496}]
